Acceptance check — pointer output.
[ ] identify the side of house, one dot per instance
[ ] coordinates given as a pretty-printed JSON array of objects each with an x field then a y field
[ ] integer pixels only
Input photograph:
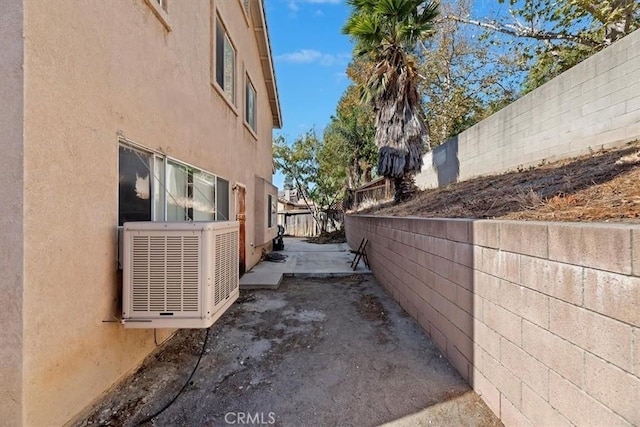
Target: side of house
[
  {"x": 134, "y": 110},
  {"x": 11, "y": 207}
]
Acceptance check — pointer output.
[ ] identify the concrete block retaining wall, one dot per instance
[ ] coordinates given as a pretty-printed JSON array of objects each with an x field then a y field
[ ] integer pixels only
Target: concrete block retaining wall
[
  {"x": 594, "y": 104},
  {"x": 542, "y": 319}
]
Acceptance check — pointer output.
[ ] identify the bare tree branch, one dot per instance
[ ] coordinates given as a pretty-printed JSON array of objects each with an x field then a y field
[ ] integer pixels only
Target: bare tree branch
[{"x": 522, "y": 31}]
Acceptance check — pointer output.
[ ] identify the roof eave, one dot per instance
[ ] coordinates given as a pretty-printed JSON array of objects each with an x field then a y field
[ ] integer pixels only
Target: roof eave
[{"x": 266, "y": 60}]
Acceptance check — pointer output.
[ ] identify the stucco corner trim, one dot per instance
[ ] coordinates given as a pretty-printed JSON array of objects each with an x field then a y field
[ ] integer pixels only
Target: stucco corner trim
[{"x": 160, "y": 13}]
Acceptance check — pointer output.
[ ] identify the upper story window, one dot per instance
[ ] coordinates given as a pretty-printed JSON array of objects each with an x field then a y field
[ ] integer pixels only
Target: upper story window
[
  {"x": 225, "y": 63},
  {"x": 250, "y": 105}
]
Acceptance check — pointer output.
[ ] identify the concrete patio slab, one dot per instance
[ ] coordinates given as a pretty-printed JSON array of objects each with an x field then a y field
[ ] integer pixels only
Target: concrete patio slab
[
  {"x": 303, "y": 259},
  {"x": 316, "y": 352},
  {"x": 260, "y": 279}
]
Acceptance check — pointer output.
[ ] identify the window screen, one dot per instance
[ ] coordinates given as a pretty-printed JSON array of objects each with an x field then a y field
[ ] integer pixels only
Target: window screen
[
  {"x": 250, "y": 105},
  {"x": 225, "y": 62},
  {"x": 223, "y": 200},
  {"x": 134, "y": 195}
]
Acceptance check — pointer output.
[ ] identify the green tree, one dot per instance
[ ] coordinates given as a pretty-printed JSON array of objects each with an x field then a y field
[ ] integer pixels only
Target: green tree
[
  {"x": 463, "y": 78},
  {"x": 556, "y": 35},
  {"x": 307, "y": 166},
  {"x": 350, "y": 138},
  {"x": 387, "y": 33}
]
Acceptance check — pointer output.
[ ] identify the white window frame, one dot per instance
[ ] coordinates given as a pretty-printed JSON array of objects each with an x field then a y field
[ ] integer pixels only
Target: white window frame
[
  {"x": 160, "y": 9},
  {"x": 231, "y": 98},
  {"x": 159, "y": 173},
  {"x": 246, "y": 5},
  {"x": 159, "y": 167},
  {"x": 249, "y": 85}
]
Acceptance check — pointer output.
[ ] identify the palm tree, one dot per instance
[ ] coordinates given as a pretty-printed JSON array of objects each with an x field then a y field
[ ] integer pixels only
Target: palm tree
[{"x": 387, "y": 31}]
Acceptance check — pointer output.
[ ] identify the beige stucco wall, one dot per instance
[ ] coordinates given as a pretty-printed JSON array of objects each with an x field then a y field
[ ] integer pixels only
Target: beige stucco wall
[
  {"x": 264, "y": 189},
  {"x": 94, "y": 70},
  {"x": 11, "y": 204}
]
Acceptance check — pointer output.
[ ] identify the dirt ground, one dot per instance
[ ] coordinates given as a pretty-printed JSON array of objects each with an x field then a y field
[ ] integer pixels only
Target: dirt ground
[
  {"x": 337, "y": 236},
  {"x": 327, "y": 352},
  {"x": 601, "y": 186}
]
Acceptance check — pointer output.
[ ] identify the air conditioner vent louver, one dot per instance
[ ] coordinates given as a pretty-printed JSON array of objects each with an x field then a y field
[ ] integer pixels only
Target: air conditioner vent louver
[
  {"x": 226, "y": 265},
  {"x": 179, "y": 274},
  {"x": 165, "y": 273}
]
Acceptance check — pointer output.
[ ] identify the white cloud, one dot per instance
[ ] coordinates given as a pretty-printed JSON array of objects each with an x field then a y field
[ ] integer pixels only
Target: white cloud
[
  {"x": 294, "y": 4},
  {"x": 303, "y": 56},
  {"x": 310, "y": 56},
  {"x": 340, "y": 77}
]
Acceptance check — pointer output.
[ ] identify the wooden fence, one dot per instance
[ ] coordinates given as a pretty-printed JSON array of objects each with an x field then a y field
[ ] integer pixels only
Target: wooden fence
[
  {"x": 300, "y": 223},
  {"x": 379, "y": 189}
]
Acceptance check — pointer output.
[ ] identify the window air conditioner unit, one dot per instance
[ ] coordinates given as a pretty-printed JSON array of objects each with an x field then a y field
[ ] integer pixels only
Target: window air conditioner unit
[{"x": 178, "y": 274}]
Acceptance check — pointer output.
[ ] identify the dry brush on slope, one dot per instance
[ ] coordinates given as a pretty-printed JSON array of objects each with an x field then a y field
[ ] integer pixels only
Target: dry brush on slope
[{"x": 600, "y": 186}]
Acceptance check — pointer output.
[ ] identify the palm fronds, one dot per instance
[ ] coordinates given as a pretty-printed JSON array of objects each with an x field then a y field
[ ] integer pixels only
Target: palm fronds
[{"x": 387, "y": 32}]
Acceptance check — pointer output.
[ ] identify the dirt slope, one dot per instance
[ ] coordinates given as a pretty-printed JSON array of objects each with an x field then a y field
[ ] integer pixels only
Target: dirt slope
[{"x": 601, "y": 186}]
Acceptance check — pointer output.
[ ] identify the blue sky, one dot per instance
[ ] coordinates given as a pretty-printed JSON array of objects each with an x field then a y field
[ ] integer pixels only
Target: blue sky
[{"x": 310, "y": 57}]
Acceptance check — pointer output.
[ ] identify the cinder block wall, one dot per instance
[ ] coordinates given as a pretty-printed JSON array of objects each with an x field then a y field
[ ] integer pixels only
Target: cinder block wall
[
  {"x": 594, "y": 104},
  {"x": 542, "y": 319}
]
